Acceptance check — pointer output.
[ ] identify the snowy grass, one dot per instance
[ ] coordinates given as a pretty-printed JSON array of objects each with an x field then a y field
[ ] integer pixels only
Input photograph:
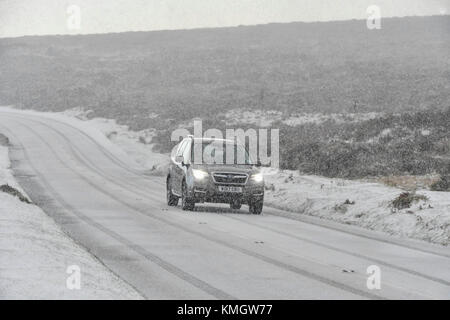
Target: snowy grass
[
  {"x": 364, "y": 204},
  {"x": 265, "y": 118},
  {"x": 137, "y": 145}
]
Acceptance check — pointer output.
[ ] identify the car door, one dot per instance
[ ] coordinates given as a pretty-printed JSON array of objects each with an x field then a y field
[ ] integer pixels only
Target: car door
[
  {"x": 172, "y": 165},
  {"x": 186, "y": 159},
  {"x": 178, "y": 171}
]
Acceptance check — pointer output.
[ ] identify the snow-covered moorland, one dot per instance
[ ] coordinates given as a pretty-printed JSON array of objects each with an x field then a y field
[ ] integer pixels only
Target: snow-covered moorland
[
  {"x": 35, "y": 254},
  {"x": 360, "y": 203},
  {"x": 265, "y": 118},
  {"x": 355, "y": 202}
]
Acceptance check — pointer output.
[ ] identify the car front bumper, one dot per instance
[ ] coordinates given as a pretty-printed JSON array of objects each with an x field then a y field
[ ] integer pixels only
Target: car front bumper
[{"x": 208, "y": 191}]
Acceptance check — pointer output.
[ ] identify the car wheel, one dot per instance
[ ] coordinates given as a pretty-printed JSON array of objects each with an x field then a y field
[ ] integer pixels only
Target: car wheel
[
  {"x": 186, "y": 202},
  {"x": 235, "y": 205},
  {"x": 172, "y": 200},
  {"x": 255, "y": 207}
]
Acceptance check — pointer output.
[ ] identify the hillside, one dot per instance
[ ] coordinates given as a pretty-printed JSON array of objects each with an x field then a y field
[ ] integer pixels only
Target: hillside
[
  {"x": 295, "y": 67},
  {"x": 162, "y": 79}
]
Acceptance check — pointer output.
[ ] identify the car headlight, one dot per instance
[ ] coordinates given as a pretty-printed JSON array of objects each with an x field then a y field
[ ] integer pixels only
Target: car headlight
[
  {"x": 258, "y": 177},
  {"x": 199, "y": 174}
]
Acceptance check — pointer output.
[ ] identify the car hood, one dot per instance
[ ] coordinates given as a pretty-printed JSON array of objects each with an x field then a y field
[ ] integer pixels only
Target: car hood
[{"x": 227, "y": 168}]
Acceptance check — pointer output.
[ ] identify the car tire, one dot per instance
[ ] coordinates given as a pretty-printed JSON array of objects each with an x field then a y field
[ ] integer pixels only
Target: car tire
[
  {"x": 172, "y": 200},
  {"x": 235, "y": 205},
  {"x": 255, "y": 207},
  {"x": 187, "y": 204}
]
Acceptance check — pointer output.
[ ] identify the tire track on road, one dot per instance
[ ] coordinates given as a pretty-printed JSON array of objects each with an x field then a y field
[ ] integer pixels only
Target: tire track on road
[
  {"x": 357, "y": 255},
  {"x": 244, "y": 251},
  {"x": 125, "y": 184},
  {"x": 142, "y": 175},
  {"x": 196, "y": 282}
]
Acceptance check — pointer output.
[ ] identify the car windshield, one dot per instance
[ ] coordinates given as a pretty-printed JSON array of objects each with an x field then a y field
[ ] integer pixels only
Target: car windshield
[{"x": 220, "y": 152}]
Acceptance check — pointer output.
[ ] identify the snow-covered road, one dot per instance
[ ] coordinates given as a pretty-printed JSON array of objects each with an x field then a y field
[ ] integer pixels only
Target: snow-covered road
[
  {"x": 119, "y": 214},
  {"x": 35, "y": 255}
]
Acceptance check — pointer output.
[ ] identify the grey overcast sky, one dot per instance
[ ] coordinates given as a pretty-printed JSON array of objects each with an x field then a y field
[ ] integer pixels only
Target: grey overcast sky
[{"x": 38, "y": 17}]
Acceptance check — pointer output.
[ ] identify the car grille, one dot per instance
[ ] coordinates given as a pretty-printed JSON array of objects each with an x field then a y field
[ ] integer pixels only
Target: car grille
[{"x": 230, "y": 178}]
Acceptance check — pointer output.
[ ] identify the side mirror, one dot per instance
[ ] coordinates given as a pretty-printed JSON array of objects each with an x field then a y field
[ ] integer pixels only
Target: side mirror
[{"x": 179, "y": 159}]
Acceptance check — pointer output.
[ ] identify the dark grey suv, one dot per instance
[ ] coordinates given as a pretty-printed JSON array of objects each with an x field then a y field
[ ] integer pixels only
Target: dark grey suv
[{"x": 214, "y": 170}]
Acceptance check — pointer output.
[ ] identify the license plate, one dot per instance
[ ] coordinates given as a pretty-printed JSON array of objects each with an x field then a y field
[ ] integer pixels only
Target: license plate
[{"x": 230, "y": 189}]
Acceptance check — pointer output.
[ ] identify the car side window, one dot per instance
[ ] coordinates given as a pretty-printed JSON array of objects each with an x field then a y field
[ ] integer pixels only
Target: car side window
[
  {"x": 187, "y": 152},
  {"x": 181, "y": 148}
]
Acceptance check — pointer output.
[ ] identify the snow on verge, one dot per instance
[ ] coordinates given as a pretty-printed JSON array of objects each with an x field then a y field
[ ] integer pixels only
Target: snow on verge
[
  {"x": 360, "y": 203},
  {"x": 35, "y": 254}
]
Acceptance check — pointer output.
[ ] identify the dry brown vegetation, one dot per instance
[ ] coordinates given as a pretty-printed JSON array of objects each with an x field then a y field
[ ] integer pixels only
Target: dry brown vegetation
[{"x": 409, "y": 182}]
